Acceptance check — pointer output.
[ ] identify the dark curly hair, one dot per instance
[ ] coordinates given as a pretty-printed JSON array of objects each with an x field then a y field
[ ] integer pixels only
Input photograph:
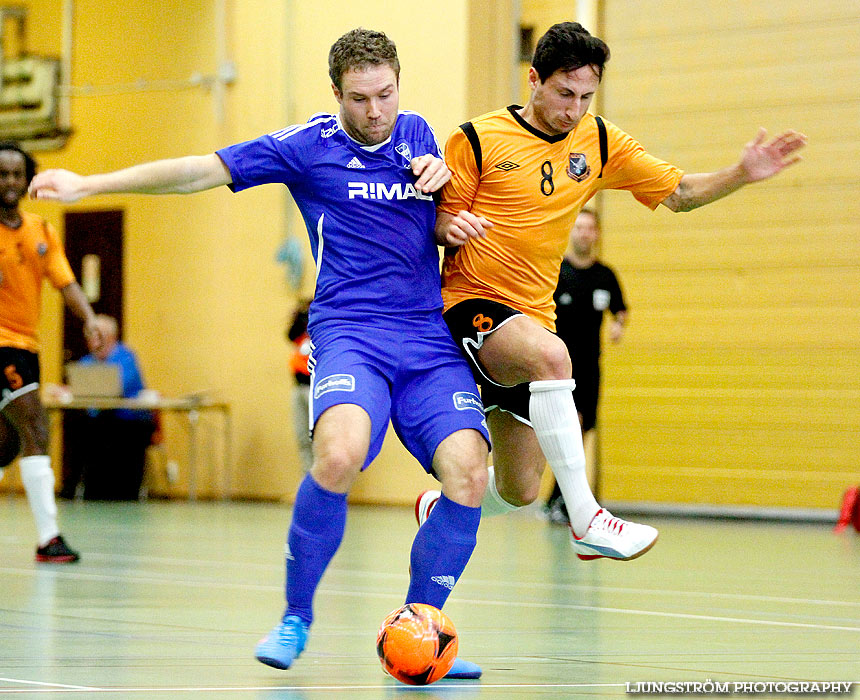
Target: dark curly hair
[
  {"x": 567, "y": 46},
  {"x": 29, "y": 161},
  {"x": 360, "y": 48}
]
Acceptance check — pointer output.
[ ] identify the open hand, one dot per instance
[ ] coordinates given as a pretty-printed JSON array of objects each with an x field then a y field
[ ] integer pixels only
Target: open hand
[{"x": 762, "y": 160}]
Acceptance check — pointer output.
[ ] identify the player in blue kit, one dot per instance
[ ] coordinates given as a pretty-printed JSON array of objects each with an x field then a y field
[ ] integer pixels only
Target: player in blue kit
[{"x": 363, "y": 180}]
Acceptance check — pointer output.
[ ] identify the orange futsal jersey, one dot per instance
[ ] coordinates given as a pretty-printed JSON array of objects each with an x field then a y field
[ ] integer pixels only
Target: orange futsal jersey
[
  {"x": 531, "y": 186},
  {"x": 27, "y": 255}
]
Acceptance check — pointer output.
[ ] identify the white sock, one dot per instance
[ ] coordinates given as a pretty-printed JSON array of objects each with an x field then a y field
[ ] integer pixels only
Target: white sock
[
  {"x": 38, "y": 479},
  {"x": 556, "y": 424},
  {"x": 493, "y": 503}
]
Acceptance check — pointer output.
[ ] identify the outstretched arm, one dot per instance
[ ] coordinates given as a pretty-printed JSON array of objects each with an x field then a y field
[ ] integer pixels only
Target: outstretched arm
[
  {"x": 759, "y": 161},
  {"x": 174, "y": 176}
]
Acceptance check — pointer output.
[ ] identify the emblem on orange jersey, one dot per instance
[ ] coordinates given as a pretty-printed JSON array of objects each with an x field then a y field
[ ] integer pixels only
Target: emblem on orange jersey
[
  {"x": 507, "y": 165},
  {"x": 42, "y": 248},
  {"x": 577, "y": 167}
]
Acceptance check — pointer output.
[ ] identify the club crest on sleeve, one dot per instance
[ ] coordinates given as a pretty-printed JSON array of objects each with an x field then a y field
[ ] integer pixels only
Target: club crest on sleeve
[{"x": 577, "y": 167}]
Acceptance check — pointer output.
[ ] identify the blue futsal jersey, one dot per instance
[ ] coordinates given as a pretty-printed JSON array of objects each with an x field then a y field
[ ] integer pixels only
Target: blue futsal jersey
[{"x": 371, "y": 231}]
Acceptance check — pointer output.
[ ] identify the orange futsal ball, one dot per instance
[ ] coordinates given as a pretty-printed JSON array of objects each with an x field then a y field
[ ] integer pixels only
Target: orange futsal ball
[{"x": 417, "y": 644}]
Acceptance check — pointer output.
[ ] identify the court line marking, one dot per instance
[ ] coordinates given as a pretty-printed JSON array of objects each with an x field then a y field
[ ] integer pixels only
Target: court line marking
[
  {"x": 471, "y": 601},
  {"x": 507, "y": 584},
  {"x": 183, "y": 563},
  {"x": 40, "y": 683},
  {"x": 630, "y": 611}
]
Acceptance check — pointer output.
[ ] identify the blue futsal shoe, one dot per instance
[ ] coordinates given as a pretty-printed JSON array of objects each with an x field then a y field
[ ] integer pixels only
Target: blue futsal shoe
[
  {"x": 284, "y": 644},
  {"x": 464, "y": 669}
]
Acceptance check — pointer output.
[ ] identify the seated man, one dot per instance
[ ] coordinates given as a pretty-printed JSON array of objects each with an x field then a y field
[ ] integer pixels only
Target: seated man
[{"x": 108, "y": 448}]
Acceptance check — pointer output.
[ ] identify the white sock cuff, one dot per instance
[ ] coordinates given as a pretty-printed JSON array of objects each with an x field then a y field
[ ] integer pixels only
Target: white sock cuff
[
  {"x": 551, "y": 385},
  {"x": 34, "y": 466}
]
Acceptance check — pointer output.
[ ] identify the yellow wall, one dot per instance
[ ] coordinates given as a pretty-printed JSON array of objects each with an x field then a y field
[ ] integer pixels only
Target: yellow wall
[
  {"x": 739, "y": 378},
  {"x": 205, "y": 302}
]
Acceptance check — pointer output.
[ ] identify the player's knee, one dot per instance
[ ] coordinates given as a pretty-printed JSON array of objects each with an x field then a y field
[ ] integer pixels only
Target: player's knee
[
  {"x": 474, "y": 481},
  {"x": 552, "y": 358},
  {"x": 335, "y": 466},
  {"x": 466, "y": 484}
]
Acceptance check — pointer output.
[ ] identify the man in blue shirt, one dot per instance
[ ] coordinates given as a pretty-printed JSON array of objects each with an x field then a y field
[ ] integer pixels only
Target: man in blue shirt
[
  {"x": 108, "y": 448},
  {"x": 113, "y": 351},
  {"x": 363, "y": 180}
]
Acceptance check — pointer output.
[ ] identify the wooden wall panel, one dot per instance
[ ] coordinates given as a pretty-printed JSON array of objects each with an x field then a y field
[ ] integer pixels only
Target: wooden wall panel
[{"x": 739, "y": 378}]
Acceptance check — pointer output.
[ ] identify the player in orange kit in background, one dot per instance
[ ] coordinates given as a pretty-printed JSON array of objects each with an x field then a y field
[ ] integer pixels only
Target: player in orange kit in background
[
  {"x": 297, "y": 334},
  {"x": 30, "y": 251}
]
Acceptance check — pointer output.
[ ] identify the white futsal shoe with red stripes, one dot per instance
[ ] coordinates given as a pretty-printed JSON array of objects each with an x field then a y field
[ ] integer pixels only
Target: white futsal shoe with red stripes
[
  {"x": 424, "y": 504},
  {"x": 613, "y": 538},
  {"x": 607, "y": 536}
]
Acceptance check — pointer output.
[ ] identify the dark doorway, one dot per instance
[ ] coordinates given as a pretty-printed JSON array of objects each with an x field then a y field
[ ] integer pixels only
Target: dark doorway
[
  {"x": 94, "y": 248},
  {"x": 93, "y": 244}
]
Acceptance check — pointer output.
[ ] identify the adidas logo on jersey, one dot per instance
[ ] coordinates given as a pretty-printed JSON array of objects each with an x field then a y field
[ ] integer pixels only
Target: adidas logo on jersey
[
  {"x": 446, "y": 581},
  {"x": 355, "y": 163}
]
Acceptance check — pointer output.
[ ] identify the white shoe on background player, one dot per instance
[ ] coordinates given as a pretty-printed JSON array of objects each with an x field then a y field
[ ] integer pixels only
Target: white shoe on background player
[{"x": 424, "y": 504}]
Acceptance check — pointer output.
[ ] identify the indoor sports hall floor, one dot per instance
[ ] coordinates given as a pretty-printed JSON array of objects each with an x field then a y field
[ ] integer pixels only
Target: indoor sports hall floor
[{"x": 170, "y": 598}]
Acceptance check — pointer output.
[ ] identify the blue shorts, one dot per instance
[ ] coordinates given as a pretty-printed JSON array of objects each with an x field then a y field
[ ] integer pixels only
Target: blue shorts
[{"x": 415, "y": 375}]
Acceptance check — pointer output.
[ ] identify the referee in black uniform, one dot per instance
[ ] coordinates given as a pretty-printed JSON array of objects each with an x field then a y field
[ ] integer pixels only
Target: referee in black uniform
[{"x": 586, "y": 290}]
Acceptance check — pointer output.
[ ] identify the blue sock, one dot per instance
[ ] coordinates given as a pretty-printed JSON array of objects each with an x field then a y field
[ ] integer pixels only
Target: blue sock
[
  {"x": 441, "y": 551},
  {"x": 319, "y": 520}
]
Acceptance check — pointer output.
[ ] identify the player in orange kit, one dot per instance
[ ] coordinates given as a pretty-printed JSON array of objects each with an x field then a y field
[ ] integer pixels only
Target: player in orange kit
[
  {"x": 520, "y": 176},
  {"x": 30, "y": 252}
]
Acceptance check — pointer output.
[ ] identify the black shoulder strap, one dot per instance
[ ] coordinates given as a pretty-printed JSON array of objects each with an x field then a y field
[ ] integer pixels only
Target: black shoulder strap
[
  {"x": 604, "y": 146},
  {"x": 472, "y": 135}
]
